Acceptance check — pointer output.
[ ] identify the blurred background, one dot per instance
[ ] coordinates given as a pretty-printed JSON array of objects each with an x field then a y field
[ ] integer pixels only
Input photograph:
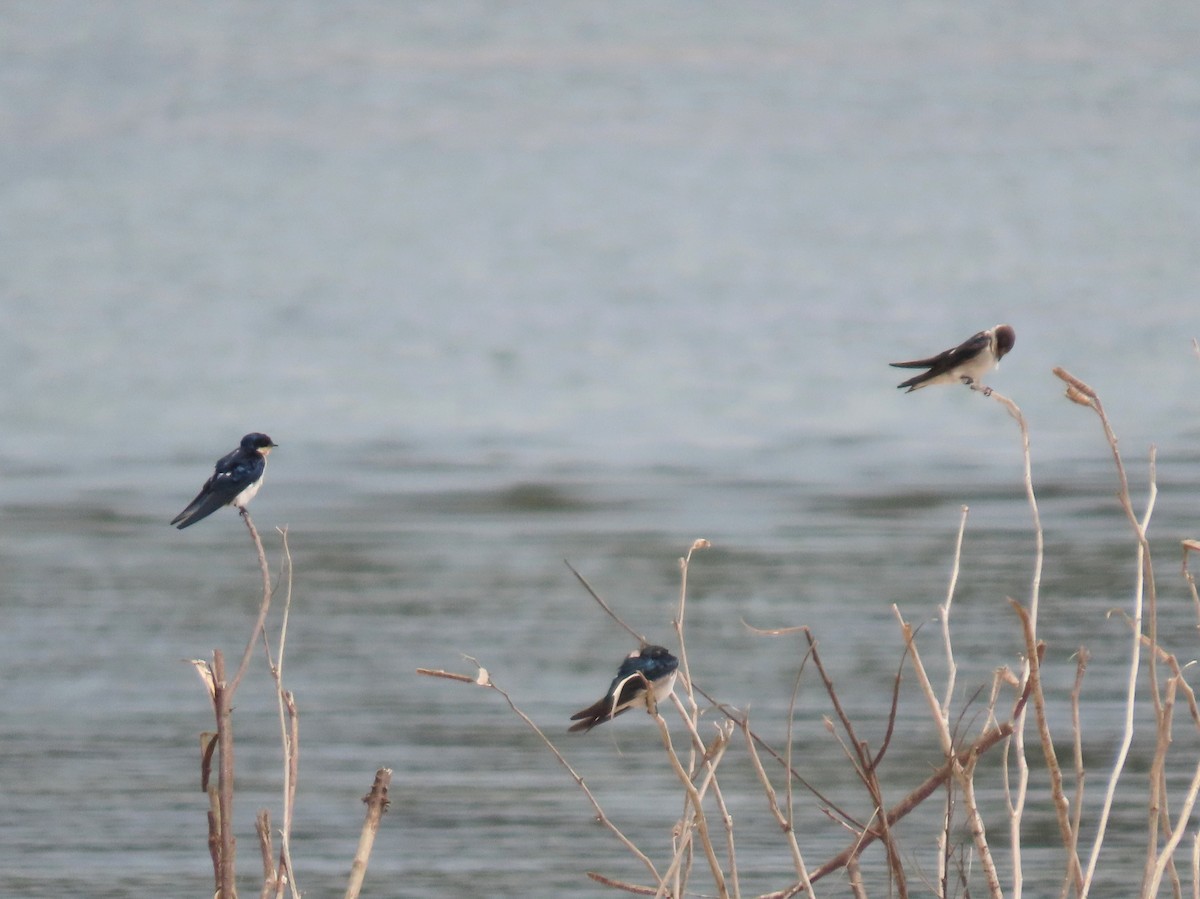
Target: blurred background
[{"x": 518, "y": 283}]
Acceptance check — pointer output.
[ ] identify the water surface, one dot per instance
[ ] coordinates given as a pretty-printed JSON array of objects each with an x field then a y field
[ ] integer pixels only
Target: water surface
[{"x": 517, "y": 286}]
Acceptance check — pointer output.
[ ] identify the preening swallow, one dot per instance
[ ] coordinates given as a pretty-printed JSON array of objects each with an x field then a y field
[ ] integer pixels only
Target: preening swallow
[
  {"x": 651, "y": 665},
  {"x": 235, "y": 479},
  {"x": 966, "y": 363}
]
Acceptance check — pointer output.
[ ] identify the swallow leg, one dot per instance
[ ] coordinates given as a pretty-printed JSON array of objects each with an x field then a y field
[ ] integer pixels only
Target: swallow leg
[{"x": 982, "y": 388}]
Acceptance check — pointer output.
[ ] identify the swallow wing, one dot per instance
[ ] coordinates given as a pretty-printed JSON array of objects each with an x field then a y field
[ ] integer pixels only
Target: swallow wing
[
  {"x": 233, "y": 474},
  {"x": 627, "y": 688},
  {"x": 596, "y": 713},
  {"x": 622, "y": 693},
  {"x": 943, "y": 362}
]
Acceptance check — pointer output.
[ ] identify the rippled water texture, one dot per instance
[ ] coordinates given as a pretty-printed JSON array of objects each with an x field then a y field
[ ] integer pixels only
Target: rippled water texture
[{"x": 512, "y": 285}]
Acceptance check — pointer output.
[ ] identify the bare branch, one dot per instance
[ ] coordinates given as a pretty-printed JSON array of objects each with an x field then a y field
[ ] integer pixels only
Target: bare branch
[
  {"x": 264, "y": 607},
  {"x": 483, "y": 679},
  {"x": 605, "y": 606},
  {"x": 270, "y": 876},
  {"x": 377, "y": 803},
  {"x": 1062, "y": 807}
]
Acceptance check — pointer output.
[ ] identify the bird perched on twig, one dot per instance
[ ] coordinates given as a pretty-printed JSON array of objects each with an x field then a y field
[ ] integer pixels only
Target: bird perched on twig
[
  {"x": 235, "y": 480},
  {"x": 651, "y": 665},
  {"x": 965, "y": 363}
]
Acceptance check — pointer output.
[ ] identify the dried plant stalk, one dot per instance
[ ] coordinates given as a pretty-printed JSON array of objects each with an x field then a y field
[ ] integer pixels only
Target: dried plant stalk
[
  {"x": 377, "y": 803},
  {"x": 962, "y": 770},
  {"x": 483, "y": 679},
  {"x": 1144, "y": 576},
  {"x": 1062, "y": 808},
  {"x": 270, "y": 876}
]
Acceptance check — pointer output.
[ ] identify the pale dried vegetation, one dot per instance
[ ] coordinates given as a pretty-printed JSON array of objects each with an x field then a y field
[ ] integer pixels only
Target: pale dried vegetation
[{"x": 1018, "y": 732}]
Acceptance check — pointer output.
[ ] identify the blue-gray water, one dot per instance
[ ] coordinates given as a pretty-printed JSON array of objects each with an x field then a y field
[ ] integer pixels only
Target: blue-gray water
[{"x": 512, "y": 284}]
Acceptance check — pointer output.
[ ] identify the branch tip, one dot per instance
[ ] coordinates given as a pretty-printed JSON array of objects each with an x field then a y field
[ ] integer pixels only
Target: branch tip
[{"x": 1077, "y": 390}]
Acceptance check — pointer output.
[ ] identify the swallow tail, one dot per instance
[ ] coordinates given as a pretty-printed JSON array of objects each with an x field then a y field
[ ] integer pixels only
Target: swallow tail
[
  {"x": 915, "y": 383},
  {"x": 199, "y": 508},
  {"x": 596, "y": 713},
  {"x": 916, "y": 363}
]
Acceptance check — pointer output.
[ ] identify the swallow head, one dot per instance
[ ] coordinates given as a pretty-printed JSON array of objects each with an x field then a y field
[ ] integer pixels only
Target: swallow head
[
  {"x": 1005, "y": 338},
  {"x": 258, "y": 443},
  {"x": 656, "y": 661}
]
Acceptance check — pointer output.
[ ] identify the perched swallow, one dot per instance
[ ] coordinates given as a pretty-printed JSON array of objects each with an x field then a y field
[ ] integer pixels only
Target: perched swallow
[
  {"x": 628, "y": 689},
  {"x": 235, "y": 480},
  {"x": 966, "y": 363}
]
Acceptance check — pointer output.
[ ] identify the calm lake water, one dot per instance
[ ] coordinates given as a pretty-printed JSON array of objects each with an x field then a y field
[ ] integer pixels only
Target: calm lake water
[{"x": 512, "y": 285}]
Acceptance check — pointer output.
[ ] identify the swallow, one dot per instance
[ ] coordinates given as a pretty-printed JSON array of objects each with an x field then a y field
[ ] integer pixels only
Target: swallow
[
  {"x": 966, "y": 363},
  {"x": 235, "y": 479},
  {"x": 651, "y": 665}
]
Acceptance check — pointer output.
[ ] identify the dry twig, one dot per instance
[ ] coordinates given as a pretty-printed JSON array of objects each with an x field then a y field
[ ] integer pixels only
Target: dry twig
[{"x": 377, "y": 803}]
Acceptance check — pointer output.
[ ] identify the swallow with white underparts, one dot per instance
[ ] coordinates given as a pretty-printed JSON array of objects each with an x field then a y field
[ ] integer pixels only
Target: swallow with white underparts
[
  {"x": 650, "y": 666},
  {"x": 235, "y": 480},
  {"x": 965, "y": 363}
]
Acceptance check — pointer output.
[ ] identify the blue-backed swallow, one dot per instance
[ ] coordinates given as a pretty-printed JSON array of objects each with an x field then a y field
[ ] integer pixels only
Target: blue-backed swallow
[
  {"x": 235, "y": 480},
  {"x": 651, "y": 665}
]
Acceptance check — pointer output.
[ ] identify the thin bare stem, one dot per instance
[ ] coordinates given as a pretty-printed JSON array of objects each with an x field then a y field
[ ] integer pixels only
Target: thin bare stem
[
  {"x": 943, "y": 876},
  {"x": 1017, "y": 805},
  {"x": 264, "y": 607},
  {"x": 740, "y": 719},
  {"x": 695, "y": 799},
  {"x": 1082, "y": 394},
  {"x": 222, "y": 706},
  {"x": 690, "y": 716},
  {"x": 962, "y": 772},
  {"x": 634, "y": 888},
  {"x": 483, "y": 679},
  {"x": 854, "y": 875},
  {"x": 784, "y": 821},
  {"x": 944, "y": 615},
  {"x": 944, "y": 851},
  {"x": 943, "y": 726},
  {"x": 1039, "y": 539},
  {"x": 709, "y": 763},
  {"x": 732, "y": 714},
  {"x": 377, "y": 803},
  {"x": 1191, "y": 546},
  {"x": 221, "y": 692},
  {"x": 801, "y": 870},
  {"x": 270, "y": 876},
  {"x": 1014, "y": 752},
  {"x": 1166, "y": 855},
  {"x": 692, "y": 712},
  {"x": 1081, "y": 662},
  {"x": 1177, "y": 672},
  {"x": 611, "y": 614},
  {"x": 1062, "y": 807},
  {"x": 679, "y": 618},
  {"x": 865, "y": 768},
  {"x": 289, "y": 726},
  {"x": 900, "y": 810}
]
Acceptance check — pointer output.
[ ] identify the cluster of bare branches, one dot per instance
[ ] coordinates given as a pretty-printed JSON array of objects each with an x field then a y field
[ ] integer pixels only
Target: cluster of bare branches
[
  {"x": 278, "y": 873},
  {"x": 702, "y": 837}
]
